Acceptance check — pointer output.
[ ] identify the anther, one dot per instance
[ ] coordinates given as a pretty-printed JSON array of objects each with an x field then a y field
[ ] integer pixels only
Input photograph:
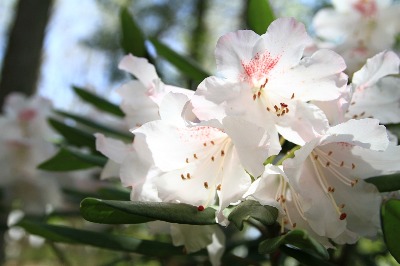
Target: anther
[
  {"x": 200, "y": 208},
  {"x": 294, "y": 225},
  {"x": 354, "y": 182},
  {"x": 222, "y": 152},
  {"x": 188, "y": 176},
  {"x": 329, "y": 153},
  {"x": 292, "y": 96},
  {"x": 283, "y": 105},
  {"x": 212, "y": 142},
  {"x": 212, "y": 158},
  {"x": 204, "y": 144},
  {"x": 341, "y": 164},
  {"x": 183, "y": 177},
  {"x": 355, "y": 116},
  {"x": 205, "y": 184},
  {"x": 343, "y": 216},
  {"x": 328, "y": 163},
  {"x": 316, "y": 157},
  {"x": 276, "y": 108},
  {"x": 268, "y": 109},
  {"x": 341, "y": 206},
  {"x": 353, "y": 166},
  {"x": 362, "y": 114},
  {"x": 219, "y": 187},
  {"x": 187, "y": 160},
  {"x": 259, "y": 94},
  {"x": 353, "y": 103},
  {"x": 195, "y": 156},
  {"x": 254, "y": 97}
]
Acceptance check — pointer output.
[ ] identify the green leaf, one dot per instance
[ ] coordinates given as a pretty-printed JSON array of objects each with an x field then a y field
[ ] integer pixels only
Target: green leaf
[
  {"x": 390, "y": 219},
  {"x": 99, "y": 102},
  {"x": 259, "y": 15},
  {"x": 297, "y": 238},
  {"x": 133, "y": 40},
  {"x": 386, "y": 183},
  {"x": 102, "y": 240},
  {"x": 305, "y": 258},
  {"x": 69, "y": 160},
  {"x": 97, "y": 127},
  {"x": 74, "y": 135},
  {"x": 185, "y": 65},
  {"x": 131, "y": 212},
  {"x": 267, "y": 215}
]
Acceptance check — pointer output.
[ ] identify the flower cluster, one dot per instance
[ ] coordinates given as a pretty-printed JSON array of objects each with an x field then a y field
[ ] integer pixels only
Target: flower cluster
[{"x": 215, "y": 147}]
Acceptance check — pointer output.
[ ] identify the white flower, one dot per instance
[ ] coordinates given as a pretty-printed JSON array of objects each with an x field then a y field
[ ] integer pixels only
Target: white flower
[
  {"x": 265, "y": 79},
  {"x": 193, "y": 163},
  {"x": 329, "y": 173},
  {"x": 376, "y": 95},
  {"x": 141, "y": 98},
  {"x": 25, "y": 142},
  {"x": 359, "y": 28}
]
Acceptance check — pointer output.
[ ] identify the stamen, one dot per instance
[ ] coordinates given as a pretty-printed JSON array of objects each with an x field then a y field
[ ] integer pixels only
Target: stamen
[
  {"x": 219, "y": 187},
  {"x": 212, "y": 142},
  {"x": 188, "y": 175},
  {"x": 353, "y": 166},
  {"x": 292, "y": 96},
  {"x": 268, "y": 109},
  {"x": 329, "y": 153},
  {"x": 343, "y": 216},
  {"x": 206, "y": 185},
  {"x": 195, "y": 156},
  {"x": 187, "y": 160},
  {"x": 183, "y": 177},
  {"x": 212, "y": 158},
  {"x": 204, "y": 144},
  {"x": 222, "y": 152},
  {"x": 254, "y": 97}
]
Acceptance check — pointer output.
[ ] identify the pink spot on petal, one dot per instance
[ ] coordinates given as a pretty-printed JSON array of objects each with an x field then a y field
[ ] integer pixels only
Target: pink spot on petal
[
  {"x": 27, "y": 115},
  {"x": 257, "y": 70},
  {"x": 367, "y": 8}
]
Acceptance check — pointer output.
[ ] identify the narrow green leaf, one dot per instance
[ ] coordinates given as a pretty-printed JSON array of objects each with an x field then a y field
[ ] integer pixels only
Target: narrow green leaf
[
  {"x": 297, "y": 238},
  {"x": 266, "y": 215},
  {"x": 97, "y": 127},
  {"x": 390, "y": 219},
  {"x": 113, "y": 193},
  {"x": 101, "y": 240},
  {"x": 131, "y": 212},
  {"x": 74, "y": 135},
  {"x": 99, "y": 102},
  {"x": 185, "y": 65},
  {"x": 305, "y": 258},
  {"x": 259, "y": 15},
  {"x": 69, "y": 160},
  {"x": 133, "y": 40},
  {"x": 386, "y": 183}
]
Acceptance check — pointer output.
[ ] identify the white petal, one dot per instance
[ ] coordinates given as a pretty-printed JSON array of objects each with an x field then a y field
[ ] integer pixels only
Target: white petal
[
  {"x": 380, "y": 101},
  {"x": 217, "y": 247},
  {"x": 172, "y": 107},
  {"x": 382, "y": 64},
  {"x": 114, "y": 149},
  {"x": 285, "y": 40},
  {"x": 305, "y": 123},
  {"x": 110, "y": 170},
  {"x": 317, "y": 77},
  {"x": 140, "y": 68},
  {"x": 232, "y": 49},
  {"x": 251, "y": 142},
  {"x": 193, "y": 237},
  {"x": 365, "y": 133}
]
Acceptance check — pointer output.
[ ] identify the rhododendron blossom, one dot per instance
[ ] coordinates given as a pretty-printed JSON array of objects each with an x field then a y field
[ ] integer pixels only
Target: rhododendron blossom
[
  {"x": 141, "y": 97},
  {"x": 358, "y": 28},
  {"x": 265, "y": 79}
]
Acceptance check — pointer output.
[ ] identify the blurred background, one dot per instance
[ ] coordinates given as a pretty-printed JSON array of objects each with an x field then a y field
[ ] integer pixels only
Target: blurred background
[{"x": 46, "y": 46}]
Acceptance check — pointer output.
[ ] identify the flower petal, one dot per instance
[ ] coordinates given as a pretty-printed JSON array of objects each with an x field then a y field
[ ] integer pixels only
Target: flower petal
[{"x": 140, "y": 68}]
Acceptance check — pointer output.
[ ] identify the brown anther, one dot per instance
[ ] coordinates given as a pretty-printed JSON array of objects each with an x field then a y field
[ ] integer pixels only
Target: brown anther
[
  {"x": 328, "y": 163},
  {"x": 362, "y": 114},
  {"x": 294, "y": 225},
  {"x": 285, "y": 221},
  {"x": 187, "y": 160},
  {"x": 195, "y": 156},
  {"x": 287, "y": 110},
  {"x": 188, "y": 176},
  {"x": 219, "y": 187},
  {"x": 183, "y": 177},
  {"x": 204, "y": 144},
  {"x": 259, "y": 94},
  {"x": 276, "y": 108},
  {"x": 353, "y": 166},
  {"x": 283, "y": 112},
  {"x": 341, "y": 206},
  {"x": 212, "y": 158},
  {"x": 212, "y": 142},
  {"x": 354, "y": 182},
  {"x": 329, "y": 153},
  {"x": 331, "y": 189},
  {"x": 355, "y": 116},
  {"x": 222, "y": 152},
  {"x": 343, "y": 216},
  {"x": 268, "y": 109},
  {"x": 284, "y": 105},
  {"x": 254, "y": 97},
  {"x": 205, "y": 184},
  {"x": 341, "y": 164},
  {"x": 292, "y": 96},
  {"x": 353, "y": 103},
  {"x": 278, "y": 115},
  {"x": 283, "y": 199},
  {"x": 265, "y": 83},
  {"x": 316, "y": 157}
]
